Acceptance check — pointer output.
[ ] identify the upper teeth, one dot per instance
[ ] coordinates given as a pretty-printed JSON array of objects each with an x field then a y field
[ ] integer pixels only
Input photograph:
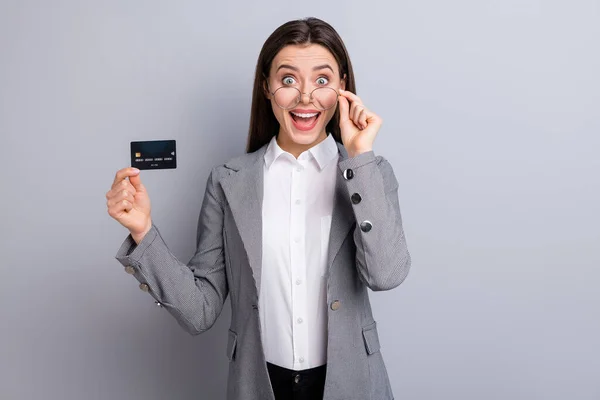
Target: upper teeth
[{"x": 304, "y": 115}]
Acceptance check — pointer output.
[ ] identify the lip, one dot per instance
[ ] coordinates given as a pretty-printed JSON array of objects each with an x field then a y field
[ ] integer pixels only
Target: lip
[{"x": 305, "y": 111}]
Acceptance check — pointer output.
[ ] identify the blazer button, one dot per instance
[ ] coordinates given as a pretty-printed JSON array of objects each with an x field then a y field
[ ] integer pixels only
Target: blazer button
[
  {"x": 356, "y": 198},
  {"x": 130, "y": 270},
  {"x": 366, "y": 226},
  {"x": 144, "y": 287},
  {"x": 348, "y": 174},
  {"x": 335, "y": 305}
]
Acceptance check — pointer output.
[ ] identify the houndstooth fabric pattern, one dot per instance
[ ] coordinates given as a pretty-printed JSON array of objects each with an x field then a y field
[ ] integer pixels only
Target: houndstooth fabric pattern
[{"x": 227, "y": 262}]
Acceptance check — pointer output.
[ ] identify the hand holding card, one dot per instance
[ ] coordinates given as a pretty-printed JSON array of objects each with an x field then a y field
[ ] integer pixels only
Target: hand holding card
[{"x": 128, "y": 202}]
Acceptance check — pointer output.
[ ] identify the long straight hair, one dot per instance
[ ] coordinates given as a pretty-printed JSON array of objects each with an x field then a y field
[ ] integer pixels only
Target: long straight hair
[{"x": 263, "y": 124}]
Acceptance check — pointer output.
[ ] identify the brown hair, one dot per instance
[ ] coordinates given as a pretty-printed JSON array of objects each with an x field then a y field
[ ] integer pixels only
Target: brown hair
[{"x": 263, "y": 124}]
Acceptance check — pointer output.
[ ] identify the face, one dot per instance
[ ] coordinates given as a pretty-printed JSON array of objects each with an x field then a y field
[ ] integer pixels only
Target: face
[{"x": 306, "y": 68}]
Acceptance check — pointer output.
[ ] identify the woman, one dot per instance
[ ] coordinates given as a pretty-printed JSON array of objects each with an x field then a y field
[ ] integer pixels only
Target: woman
[{"x": 294, "y": 231}]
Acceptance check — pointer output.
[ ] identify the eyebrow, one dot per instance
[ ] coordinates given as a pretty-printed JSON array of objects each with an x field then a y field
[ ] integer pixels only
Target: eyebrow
[{"x": 293, "y": 68}]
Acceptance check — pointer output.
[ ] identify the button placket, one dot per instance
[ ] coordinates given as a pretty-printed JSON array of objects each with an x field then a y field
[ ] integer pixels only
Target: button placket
[{"x": 298, "y": 262}]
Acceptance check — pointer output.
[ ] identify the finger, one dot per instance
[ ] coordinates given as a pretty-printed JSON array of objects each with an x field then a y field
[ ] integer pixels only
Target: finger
[
  {"x": 124, "y": 185},
  {"x": 362, "y": 118},
  {"x": 344, "y": 109},
  {"x": 118, "y": 208},
  {"x": 374, "y": 120},
  {"x": 355, "y": 102},
  {"x": 350, "y": 96},
  {"x": 352, "y": 110},
  {"x": 124, "y": 173},
  {"x": 127, "y": 206},
  {"x": 120, "y": 196},
  {"x": 356, "y": 113},
  {"x": 136, "y": 181}
]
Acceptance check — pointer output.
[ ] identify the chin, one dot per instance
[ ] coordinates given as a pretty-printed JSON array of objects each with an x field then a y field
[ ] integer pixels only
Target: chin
[{"x": 305, "y": 138}]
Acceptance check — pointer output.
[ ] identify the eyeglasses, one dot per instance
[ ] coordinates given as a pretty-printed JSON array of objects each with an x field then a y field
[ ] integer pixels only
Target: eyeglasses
[{"x": 288, "y": 97}]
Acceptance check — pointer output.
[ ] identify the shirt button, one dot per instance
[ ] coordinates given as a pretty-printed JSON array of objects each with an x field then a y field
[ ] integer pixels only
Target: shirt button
[
  {"x": 297, "y": 239},
  {"x": 301, "y": 359},
  {"x": 298, "y": 281},
  {"x": 144, "y": 287},
  {"x": 299, "y": 320},
  {"x": 158, "y": 304},
  {"x": 298, "y": 201},
  {"x": 366, "y": 226},
  {"x": 299, "y": 169},
  {"x": 130, "y": 270}
]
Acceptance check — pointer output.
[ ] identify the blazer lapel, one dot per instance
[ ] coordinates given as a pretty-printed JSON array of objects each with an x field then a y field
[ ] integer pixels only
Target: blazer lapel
[
  {"x": 243, "y": 188},
  {"x": 343, "y": 215}
]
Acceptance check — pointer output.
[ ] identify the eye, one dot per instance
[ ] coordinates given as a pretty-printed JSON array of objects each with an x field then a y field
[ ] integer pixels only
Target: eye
[
  {"x": 322, "y": 81},
  {"x": 288, "y": 80}
]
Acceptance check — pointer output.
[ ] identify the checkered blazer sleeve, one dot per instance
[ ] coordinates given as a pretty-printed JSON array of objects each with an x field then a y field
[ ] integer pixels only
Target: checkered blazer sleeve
[
  {"x": 382, "y": 257},
  {"x": 193, "y": 293}
]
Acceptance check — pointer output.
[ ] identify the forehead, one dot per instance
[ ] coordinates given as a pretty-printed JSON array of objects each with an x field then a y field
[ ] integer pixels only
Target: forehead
[{"x": 304, "y": 57}]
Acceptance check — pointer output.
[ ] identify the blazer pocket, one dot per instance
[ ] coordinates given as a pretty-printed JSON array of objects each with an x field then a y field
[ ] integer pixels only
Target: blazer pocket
[
  {"x": 371, "y": 338},
  {"x": 231, "y": 345}
]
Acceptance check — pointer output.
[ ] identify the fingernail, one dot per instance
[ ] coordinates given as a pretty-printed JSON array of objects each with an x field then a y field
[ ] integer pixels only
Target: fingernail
[{"x": 135, "y": 170}]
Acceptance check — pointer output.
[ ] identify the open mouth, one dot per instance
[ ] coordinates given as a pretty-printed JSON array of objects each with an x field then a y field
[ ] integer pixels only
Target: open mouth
[{"x": 305, "y": 121}]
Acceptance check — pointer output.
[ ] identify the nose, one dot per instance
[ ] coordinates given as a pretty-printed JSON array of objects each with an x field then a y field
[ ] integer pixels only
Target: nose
[
  {"x": 305, "y": 98},
  {"x": 305, "y": 90}
]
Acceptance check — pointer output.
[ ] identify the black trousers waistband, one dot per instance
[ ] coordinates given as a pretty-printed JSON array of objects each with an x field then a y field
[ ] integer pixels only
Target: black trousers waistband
[{"x": 288, "y": 384}]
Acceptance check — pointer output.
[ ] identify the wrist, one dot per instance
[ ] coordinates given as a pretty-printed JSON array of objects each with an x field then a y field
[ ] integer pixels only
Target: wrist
[
  {"x": 138, "y": 237},
  {"x": 356, "y": 152}
]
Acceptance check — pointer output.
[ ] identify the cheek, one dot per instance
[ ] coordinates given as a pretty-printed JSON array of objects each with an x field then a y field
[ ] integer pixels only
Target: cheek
[
  {"x": 328, "y": 115},
  {"x": 279, "y": 113}
]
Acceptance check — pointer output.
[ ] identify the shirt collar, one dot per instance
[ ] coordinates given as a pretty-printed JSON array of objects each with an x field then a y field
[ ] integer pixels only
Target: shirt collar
[
  {"x": 323, "y": 153},
  {"x": 273, "y": 152}
]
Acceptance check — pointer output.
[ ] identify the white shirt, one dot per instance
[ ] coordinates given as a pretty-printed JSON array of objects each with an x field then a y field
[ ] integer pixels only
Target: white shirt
[{"x": 296, "y": 214}]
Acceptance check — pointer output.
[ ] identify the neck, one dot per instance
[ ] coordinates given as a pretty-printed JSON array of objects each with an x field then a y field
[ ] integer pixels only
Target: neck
[{"x": 294, "y": 148}]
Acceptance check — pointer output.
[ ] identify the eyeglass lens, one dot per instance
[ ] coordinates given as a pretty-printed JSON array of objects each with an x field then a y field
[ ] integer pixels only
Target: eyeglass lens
[{"x": 289, "y": 97}]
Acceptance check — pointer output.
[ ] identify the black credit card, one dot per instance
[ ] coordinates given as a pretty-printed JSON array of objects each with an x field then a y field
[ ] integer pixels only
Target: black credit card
[{"x": 153, "y": 154}]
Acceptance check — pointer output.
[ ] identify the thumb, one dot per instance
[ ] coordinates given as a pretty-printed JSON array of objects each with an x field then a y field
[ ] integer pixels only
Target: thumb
[{"x": 137, "y": 183}]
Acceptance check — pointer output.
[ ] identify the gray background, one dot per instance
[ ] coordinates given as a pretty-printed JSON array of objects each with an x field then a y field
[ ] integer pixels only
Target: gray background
[{"x": 491, "y": 122}]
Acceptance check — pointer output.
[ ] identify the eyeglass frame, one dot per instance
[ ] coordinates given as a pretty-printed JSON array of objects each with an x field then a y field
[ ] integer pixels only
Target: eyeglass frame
[{"x": 310, "y": 95}]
